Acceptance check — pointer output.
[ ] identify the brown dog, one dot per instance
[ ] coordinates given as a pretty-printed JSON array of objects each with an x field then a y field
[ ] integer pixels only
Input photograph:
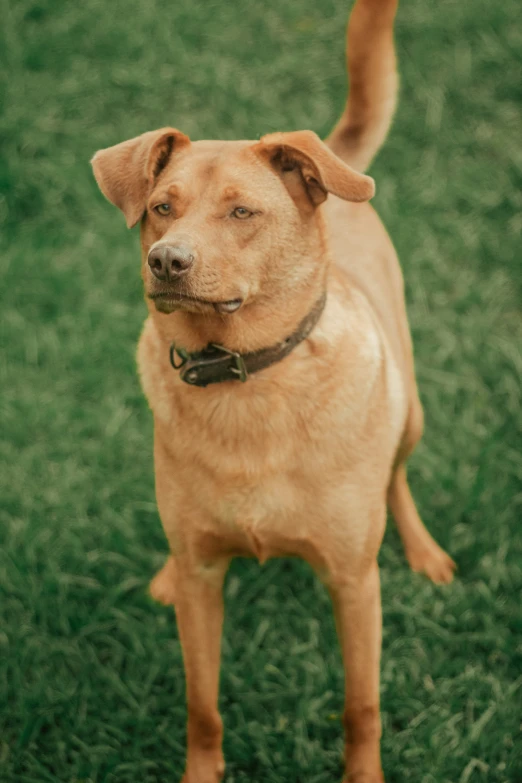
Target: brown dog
[{"x": 252, "y": 274}]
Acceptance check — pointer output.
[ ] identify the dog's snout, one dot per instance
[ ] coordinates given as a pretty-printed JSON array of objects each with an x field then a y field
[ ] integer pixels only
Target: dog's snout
[{"x": 168, "y": 262}]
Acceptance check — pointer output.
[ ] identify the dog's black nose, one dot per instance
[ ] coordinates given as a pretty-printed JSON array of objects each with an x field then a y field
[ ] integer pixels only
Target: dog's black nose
[{"x": 168, "y": 262}]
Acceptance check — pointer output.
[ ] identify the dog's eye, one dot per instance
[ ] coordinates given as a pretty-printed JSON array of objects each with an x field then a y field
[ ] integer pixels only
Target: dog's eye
[
  {"x": 163, "y": 209},
  {"x": 242, "y": 213}
]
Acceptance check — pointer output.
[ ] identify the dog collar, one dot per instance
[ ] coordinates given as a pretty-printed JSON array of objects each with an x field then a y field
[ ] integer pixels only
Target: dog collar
[{"x": 215, "y": 363}]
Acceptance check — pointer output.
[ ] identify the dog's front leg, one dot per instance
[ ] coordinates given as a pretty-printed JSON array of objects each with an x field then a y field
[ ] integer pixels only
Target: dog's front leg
[
  {"x": 357, "y": 608},
  {"x": 192, "y": 579},
  {"x": 199, "y": 613}
]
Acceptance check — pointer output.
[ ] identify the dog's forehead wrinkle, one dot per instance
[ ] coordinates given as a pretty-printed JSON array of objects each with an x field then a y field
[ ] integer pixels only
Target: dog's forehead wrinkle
[
  {"x": 223, "y": 170},
  {"x": 174, "y": 189},
  {"x": 203, "y": 170},
  {"x": 230, "y": 192}
]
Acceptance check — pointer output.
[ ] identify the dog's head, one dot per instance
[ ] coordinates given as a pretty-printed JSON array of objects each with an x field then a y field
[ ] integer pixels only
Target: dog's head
[{"x": 225, "y": 224}]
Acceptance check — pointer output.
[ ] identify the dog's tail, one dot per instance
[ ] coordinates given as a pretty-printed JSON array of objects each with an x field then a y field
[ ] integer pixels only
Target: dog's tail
[{"x": 367, "y": 117}]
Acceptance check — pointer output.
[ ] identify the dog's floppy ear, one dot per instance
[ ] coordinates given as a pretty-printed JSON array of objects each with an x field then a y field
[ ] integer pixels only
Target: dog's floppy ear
[
  {"x": 126, "y": 172},
  {"x": 322, "y": 171}
]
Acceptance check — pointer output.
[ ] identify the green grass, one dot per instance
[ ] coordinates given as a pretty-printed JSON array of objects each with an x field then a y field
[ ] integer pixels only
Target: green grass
[{"x": 91, "y": 680}]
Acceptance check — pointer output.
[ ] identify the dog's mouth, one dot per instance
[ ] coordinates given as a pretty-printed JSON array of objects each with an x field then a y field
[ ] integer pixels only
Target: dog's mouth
[{"x": 170, "y": 302}]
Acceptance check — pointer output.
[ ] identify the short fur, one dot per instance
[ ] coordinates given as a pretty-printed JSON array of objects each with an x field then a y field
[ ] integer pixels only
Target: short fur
[{"x": 303, "y": 458}]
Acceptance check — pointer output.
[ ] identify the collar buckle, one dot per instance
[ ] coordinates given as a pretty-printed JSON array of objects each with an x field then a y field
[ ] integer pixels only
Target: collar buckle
[
  {"x": 240, "y": 368},
  {"x": 214, "y": 363}
]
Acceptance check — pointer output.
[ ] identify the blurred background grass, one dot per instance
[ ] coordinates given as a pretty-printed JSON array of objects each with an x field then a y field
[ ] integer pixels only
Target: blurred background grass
[{"x": 91, "y": 681}]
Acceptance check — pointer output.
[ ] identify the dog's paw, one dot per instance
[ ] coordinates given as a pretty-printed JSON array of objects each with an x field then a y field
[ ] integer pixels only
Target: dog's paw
[
  {"x": 362, "y": 777},
  {"x": 162, "y": 586},
  {"x": 433, "y": 561},
  {"x": 205, "y": 772}
]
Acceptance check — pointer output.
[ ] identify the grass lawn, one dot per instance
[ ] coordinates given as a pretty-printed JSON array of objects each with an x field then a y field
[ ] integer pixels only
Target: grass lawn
[{"x": 91, "y": 678}]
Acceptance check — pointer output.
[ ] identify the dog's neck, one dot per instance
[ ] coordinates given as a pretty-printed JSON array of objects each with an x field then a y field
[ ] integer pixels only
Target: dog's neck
[{"x": 259, "y": 324}]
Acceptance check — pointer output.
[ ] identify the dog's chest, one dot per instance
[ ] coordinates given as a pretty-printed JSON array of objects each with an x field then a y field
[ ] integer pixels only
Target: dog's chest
[
  {"x": 258, "y": 519},
  {"x": 264, "y": 466},
  {"x": 266, "y": 481}
]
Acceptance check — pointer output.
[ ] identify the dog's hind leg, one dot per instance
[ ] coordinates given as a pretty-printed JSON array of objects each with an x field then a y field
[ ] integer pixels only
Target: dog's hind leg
[
  {"x": 162, "y": 586},
  {"x": 422, "y": 552}
]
